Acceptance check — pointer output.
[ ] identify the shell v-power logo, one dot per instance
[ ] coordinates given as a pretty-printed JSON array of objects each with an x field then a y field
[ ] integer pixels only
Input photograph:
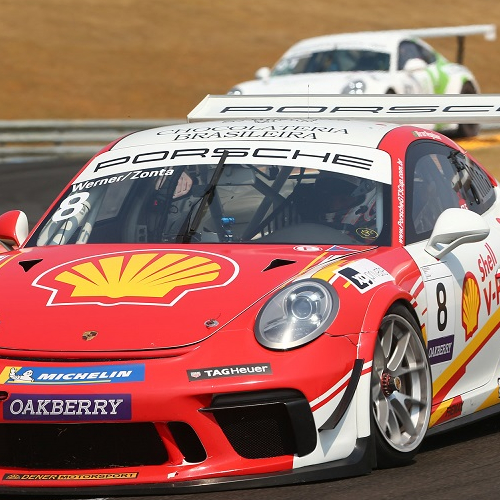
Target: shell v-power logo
[{"x": 153, "y": 277}]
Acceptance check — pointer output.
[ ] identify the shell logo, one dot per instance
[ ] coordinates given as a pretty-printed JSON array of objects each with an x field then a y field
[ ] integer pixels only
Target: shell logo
[
  {"x": 471, "y": 303},
  {"x": 151, "y": 277}
]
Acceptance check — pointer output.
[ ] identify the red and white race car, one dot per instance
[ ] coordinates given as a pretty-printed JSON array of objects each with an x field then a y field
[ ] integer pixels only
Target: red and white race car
[{"x": 269, "y": 293}]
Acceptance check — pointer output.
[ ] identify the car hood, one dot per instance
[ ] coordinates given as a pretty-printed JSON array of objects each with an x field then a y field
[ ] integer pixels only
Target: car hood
[
  {"x": 92, "y": 299},
  {"x": 315, "y": 83}
]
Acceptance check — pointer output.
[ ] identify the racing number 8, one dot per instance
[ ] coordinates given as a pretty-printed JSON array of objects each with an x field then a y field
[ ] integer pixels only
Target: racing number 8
[
  {"x": 442, "y": 312},
  {"x": 70, "y": 206}
]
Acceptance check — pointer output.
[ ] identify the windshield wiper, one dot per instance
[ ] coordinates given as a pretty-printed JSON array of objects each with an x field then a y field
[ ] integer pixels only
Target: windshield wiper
[{"x": 193, "y": 218}]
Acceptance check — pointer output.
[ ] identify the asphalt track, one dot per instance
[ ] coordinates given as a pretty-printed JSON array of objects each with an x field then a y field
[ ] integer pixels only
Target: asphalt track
[{"x": 461, "y": 464}]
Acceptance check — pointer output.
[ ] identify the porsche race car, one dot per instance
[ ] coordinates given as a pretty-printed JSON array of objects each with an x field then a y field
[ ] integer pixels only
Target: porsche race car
[
  {"x": 373, "y": 62},
  {"x": 270, "y": 293}
]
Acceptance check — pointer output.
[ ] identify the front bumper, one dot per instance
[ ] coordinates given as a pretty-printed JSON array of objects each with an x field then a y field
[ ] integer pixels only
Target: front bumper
[
  {"x": 359, "y": 462},
  {"x": 296, "y": 420}
]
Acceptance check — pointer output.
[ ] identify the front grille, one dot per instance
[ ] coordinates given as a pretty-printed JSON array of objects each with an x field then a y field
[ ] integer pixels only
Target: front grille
[
  {"x": 258, "y": 432},
  {"x": 80, "y": 446},
  {"x": 188, "y": 442},
  {"x": 266, "y": 424}
]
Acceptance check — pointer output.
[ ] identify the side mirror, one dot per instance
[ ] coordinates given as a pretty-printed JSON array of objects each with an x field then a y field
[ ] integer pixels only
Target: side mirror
[
  {"x": 454, "y": 227},
  {"x": 13, "y": 228},
  {"x": 263, "y": 73},
  {"x": 415, "y": 65}
]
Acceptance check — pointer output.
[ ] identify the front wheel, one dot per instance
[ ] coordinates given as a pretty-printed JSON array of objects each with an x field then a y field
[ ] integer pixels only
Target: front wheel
[{"x": 401, "y": 389}]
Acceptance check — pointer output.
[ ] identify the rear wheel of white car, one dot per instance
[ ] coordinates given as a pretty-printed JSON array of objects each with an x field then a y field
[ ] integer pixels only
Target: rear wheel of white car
[
  {"x": 401, "y": 389},
  {"x": 467, "y": 129}
]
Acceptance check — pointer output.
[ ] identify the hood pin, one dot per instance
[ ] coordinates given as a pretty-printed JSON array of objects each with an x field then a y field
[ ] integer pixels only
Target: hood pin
[{"x": 211, "y": 323}]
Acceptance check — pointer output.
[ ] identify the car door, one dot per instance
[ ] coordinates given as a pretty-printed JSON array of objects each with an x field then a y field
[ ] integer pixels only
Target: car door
[{"x": 462, "y": 292}]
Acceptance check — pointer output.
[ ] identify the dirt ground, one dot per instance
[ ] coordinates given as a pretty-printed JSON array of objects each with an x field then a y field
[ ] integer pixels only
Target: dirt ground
[{"x": 158, "y": 58}]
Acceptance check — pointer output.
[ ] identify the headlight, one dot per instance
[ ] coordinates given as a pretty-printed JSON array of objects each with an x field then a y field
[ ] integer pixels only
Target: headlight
[
  {"x": 234, "y": 91},
  {"x": 296, "y": 315},
  {"x": 355, "y": 87}
]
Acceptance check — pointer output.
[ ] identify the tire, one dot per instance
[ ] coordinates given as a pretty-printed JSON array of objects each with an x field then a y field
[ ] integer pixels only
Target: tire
[
  {"x": 401, "y": 389},
  {"x": 464, "y": 129}
]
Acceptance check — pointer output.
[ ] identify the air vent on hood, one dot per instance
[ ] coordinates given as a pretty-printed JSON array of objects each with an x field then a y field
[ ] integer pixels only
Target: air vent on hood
[
  {"x": 278, "y": 263},
  {"x": 28, "y": 264}
]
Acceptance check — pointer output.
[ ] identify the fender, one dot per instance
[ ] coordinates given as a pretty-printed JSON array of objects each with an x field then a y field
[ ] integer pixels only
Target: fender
[
  {"x": 457, "y": 80},
  {"x": 381, "y": 301}
]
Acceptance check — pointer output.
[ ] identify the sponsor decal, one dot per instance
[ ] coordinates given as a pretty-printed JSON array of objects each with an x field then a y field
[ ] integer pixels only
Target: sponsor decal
[
  {"x": 154, "y": 277},
  {"x": 441, "y": 349},
  {"x": 426, "y": 134},
  {"x": 487, "y": 264},
  {"x": 13, "y": 476},
  {"x": 74, "y": 375},
  {"x": 447, "y": 410},
  {"x": 156, "y": 161},
  {"x": 331, "y": 156},
  {"x": 365, "y": 275},
  {"x": 401, "y": 202},
  {"x": 488, "y": 109},
  {"x": 229, "y": 371},
  {"x": 265, "y": 129},
  {"x": 471, "y": 303},
  {"x": 67, "y": 408}
]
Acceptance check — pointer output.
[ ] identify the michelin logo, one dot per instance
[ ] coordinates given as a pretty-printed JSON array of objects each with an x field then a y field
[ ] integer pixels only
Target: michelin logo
[
  {"x": 24, "y": 377},
  {"x": 72, "y": 375}
]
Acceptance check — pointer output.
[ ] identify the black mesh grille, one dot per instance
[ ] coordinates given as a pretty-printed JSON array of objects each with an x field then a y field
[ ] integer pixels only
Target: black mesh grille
[
  {"x": 80, "y": 446},
  {"x": 262, "y": 431},
  {"x": 188, "y": 442}
]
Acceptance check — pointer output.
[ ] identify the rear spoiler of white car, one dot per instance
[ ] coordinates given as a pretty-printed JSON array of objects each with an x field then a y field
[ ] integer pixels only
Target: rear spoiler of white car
[
  {"x": 488, "y": 30},
  {"x": 401, "y": 108}
]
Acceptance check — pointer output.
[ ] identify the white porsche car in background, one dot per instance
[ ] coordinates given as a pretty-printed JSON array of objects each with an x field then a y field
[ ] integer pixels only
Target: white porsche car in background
[{"x": 376, "y": 62}]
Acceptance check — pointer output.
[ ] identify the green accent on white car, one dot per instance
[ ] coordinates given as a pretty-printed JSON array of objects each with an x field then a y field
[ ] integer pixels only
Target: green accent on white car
[{"x": 438, "y": 75}]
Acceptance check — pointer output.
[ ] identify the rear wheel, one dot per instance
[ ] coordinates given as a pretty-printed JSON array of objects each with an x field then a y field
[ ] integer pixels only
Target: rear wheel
[
  {"x": 401, "y": 389},
  {"x": 467, "y": 129}
]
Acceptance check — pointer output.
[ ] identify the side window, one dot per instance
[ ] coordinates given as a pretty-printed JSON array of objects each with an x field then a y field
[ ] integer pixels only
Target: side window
[
  {"x": 473, "y": 183},
  {"x": 431, "y": 187},
  {"x": 427, "y": 55},
  {"x": 407, "y": 50}
]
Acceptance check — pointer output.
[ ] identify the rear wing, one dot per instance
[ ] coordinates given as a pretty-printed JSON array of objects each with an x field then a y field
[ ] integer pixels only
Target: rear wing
[
  {"x": 401, "y": 108},
  {"x": 488, "y": 30}
]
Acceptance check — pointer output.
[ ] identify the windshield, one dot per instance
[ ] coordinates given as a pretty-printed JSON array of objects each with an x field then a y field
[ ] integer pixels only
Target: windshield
[
  {"x": 220, "y": 202},
  {"x": 333, "y": 60}
]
